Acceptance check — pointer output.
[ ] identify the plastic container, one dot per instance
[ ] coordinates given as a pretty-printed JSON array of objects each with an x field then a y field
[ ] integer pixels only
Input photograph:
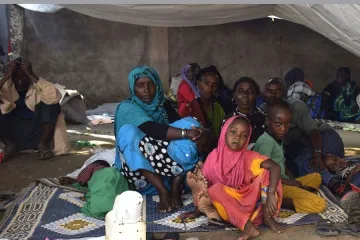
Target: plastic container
[{"x": 85, "y": 144}]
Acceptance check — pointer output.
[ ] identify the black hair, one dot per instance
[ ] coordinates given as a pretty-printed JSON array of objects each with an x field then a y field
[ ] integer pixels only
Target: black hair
[
  {"x": 212, "y": 70},
  {"x": 247, "y": 80},
  {"x": 279, "y": 104},
  {"x": 194, "y": 65}
]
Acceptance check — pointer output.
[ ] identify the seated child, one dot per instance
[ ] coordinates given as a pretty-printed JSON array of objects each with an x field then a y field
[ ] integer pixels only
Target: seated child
[
  {"x": 349, "y": 172},
  {"x": 297, "y": 193},
  {"x": 236, "y": 185}
]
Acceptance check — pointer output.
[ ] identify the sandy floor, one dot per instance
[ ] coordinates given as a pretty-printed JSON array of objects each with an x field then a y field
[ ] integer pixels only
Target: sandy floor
[{"x": 24, "y": 169}]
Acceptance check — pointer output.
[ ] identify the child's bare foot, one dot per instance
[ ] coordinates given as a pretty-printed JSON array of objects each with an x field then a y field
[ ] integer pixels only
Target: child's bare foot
[
  {"x": 65, "y": 181},
  {"x": 176, "y": 192},
  {"x": 165, "y": 204},
  {"x": 249, "y": 232},
  {"x": 206, "y": 206},
  {"x": 191, "y": 181},
  {"x": 202, "y": 183},
  {"x": 197, "y": 170},
  {"x": 270, "y": 222}
]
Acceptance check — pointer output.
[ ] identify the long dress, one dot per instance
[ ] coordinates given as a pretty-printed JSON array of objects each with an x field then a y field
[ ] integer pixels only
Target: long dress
[
  {"x": 238, "y": 184},
  {"x": 138, "y": 151}
]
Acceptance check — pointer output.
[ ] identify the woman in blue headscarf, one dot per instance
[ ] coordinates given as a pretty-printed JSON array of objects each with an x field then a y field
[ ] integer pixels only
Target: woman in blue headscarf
[{"x": 153, "y": 154}]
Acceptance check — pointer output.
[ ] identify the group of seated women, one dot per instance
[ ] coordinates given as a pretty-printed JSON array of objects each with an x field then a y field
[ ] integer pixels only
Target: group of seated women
[{"x": 227, "y": 151}]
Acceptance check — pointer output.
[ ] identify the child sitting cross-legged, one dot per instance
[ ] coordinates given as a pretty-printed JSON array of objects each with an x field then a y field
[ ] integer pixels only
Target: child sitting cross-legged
[
  {"x": 297, "y": 193},
  {"x": 236, "y": 185}
]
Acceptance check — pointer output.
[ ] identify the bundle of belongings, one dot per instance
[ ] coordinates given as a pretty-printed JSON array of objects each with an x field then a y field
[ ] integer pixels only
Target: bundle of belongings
[{"x": 72, "y": 105}]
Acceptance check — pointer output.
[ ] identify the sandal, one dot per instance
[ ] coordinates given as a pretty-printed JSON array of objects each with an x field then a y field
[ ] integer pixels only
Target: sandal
[
  {"x": 45, "y": 154},
  {"x": 327, "y": 228}
]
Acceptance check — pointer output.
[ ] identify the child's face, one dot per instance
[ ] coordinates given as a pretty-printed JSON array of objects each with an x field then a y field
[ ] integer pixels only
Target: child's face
[
  {"x": 237, "y": 135},
  {"x": 334, "y": 164},
  {"x": 279, "y": 122}
]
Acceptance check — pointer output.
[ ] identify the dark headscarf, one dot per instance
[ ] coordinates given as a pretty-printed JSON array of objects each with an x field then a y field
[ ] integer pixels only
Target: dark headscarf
[{"x": 293, "y": 76}]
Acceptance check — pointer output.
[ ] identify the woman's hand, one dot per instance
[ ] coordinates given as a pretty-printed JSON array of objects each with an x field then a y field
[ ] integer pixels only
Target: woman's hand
[
  {"x": 201, "y": 138},
  {"x": 271, "y": 204},
  {"x": 317, "y": 163}
]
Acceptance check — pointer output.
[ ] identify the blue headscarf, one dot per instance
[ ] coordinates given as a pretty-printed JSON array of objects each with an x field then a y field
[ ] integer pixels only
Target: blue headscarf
[{"x": 155, "y": 109}]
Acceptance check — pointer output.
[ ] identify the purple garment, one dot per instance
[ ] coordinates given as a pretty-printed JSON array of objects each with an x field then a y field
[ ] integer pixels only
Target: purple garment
[{"x": 191, "y": 84}]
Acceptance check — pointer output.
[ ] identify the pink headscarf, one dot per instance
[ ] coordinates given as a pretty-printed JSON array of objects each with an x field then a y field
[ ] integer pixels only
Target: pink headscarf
[{"x": 226, "y": 166}]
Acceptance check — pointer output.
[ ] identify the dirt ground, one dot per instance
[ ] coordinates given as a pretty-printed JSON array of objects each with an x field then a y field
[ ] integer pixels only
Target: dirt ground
[{"x": 22, "y": 170}]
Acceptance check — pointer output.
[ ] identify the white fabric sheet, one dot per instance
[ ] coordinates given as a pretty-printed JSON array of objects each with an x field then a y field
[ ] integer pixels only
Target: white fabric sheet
[{"x": 338, "y": 22}]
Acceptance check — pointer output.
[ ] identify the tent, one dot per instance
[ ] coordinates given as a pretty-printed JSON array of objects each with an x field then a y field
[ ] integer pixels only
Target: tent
[{"x": 337, "y": 22}]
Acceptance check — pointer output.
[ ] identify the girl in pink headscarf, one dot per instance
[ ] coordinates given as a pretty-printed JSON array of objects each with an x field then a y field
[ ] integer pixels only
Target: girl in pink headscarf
[{"x": 243, "y": 186}]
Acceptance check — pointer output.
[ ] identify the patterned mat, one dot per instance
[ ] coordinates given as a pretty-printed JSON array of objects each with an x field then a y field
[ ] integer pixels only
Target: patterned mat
[
  {"x": 162, "y": 222},
  {"x": 43, "y": 211},
  {"x": 47, "y": 212}
]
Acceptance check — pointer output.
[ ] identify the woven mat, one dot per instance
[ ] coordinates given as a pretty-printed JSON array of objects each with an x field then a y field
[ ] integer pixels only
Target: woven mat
[{"x": 43, "y": 211}]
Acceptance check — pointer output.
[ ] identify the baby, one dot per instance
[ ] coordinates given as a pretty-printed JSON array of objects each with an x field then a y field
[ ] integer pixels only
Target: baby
[{"x": 349, "y": 172}]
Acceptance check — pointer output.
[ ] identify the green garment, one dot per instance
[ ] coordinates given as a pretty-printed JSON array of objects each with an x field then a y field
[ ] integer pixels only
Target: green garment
[
  {"x": 346, "y": 103},
  {"x": 216, "y": 117},
  {"x": 267, "y": 146},
  {"x": 104, "y": 185}
]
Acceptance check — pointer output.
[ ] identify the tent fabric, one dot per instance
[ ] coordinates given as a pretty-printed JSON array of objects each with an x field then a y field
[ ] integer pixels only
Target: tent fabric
[
  {"x": 45, "y": 8},
  {"x": 337, "y": 22}
]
